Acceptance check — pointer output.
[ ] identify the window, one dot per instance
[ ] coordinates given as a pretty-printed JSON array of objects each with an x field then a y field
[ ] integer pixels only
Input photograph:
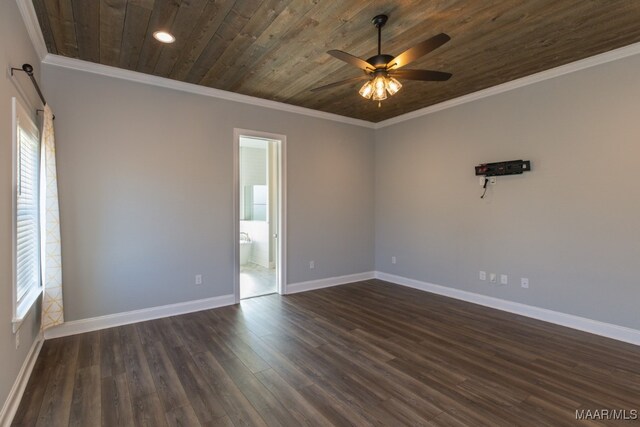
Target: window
[{"x": 27, "y": 283}]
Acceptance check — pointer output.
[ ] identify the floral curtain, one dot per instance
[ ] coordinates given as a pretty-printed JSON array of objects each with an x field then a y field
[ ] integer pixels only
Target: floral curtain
[{"x": 52, "y": 307}]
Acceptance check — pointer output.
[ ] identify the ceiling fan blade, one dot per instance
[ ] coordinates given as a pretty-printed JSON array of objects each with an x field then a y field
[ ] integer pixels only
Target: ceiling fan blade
[
  {"x": 418, "y": 50},
  {"x": 350, "y": 59},
  {"x": 426, "y": 75},
  {"x": 341, "y": 82}
]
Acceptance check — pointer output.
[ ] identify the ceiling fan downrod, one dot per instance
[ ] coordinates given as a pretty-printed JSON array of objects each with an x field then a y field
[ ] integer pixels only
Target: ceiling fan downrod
[{"x": 379, "y": 21}]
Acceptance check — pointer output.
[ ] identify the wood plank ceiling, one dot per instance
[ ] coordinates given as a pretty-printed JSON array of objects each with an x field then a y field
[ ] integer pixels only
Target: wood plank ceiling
[{"x": 276, "y": 49}]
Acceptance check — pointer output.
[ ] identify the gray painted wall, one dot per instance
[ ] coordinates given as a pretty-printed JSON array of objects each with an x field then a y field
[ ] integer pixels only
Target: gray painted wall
[
  {"x": 571, "y": 225},
  {"x": 145, "y": 177},
  {"x": 15, "y": 50}
]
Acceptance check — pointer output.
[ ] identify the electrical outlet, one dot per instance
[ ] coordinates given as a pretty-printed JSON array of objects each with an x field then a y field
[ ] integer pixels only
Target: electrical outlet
[
  {"x": 17, "y": 339},
  {"x": 493, "y": 278},
  {"x": 393, "y": 260},
  {"x": 504, "y": 279},
  {"x": 482, "y": 275},
  {"x": 198, "y": 279},
  {"x": 312, "y": 265},
  {"x": 492, "y": 180},
  {"x": 524, "y": 282}
]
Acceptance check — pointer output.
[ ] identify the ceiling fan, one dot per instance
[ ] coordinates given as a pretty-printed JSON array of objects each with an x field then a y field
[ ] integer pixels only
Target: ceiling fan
[{"x": 381, "y": 70}]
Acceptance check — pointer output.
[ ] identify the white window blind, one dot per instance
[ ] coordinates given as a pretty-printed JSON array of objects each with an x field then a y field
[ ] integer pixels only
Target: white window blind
[{"x": 27, "y": 216}]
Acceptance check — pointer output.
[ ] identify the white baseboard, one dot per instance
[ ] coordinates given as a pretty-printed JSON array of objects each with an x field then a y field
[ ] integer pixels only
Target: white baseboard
[
  {"x": 96, "y": 323},
  {"x": 596, "y": 327},
  {"x": 15, "y": 395},
  {"x": 608, "y": 330},
  {"x": 294, "y": 288}
]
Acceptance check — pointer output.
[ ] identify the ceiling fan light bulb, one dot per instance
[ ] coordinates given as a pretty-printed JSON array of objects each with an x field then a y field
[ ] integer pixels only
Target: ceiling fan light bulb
[
  {"x": 393, "y": 86},
  {"x": 366, "y": 90},
  {"x": 379, "y": 82},
  {"x": 379, "y": 94}
]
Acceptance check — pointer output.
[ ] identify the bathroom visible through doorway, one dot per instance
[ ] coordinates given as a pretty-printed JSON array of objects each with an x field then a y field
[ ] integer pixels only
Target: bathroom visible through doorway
[{"x": 258, "y": 208}]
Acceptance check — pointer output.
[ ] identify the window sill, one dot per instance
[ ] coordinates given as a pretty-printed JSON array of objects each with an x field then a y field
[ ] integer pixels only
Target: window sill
[{"x": 25, "y": 308}]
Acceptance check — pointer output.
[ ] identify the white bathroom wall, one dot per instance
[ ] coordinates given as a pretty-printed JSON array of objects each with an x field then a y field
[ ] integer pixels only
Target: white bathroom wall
[
  {"x": 259, "y": 233},
  {"x": 253, "y": 171}
]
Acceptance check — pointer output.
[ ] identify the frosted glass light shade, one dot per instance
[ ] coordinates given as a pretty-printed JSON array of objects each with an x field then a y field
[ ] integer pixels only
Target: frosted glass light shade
[
  {"x": 393, "y": 85},
  {"x": 366, "y": 90}
]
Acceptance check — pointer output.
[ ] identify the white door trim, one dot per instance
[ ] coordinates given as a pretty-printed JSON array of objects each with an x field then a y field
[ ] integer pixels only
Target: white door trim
[{"x": 281, "y": 242}]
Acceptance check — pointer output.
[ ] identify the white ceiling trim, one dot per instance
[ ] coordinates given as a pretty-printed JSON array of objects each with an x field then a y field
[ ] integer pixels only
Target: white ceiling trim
[
  {"x": 35, "y": 33},
  {"x": 603, "y": 58},
  {"x": 33, "y": 27},
  {"x": 105, "y": 70},
  {"x": 135, "y": 76}
]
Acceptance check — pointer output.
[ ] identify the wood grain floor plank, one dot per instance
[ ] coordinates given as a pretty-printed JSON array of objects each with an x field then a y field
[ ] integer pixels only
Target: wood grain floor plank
[
  {"x": 86, "y": 403},
  {"x": 167, "y": 383},
  {"x": 278, "y": 362},
  {"x": 116, "y": 402},
  {"x": 182, "y": 416},
  {"x": 138, "y": 374},
  {"x": 148, "y": 411},
  {"x": 332, "y": 378},
  {"x": 334, "y": 410},
  {"x": 238, "y": 408},
  {"x": 220, "y": 422},
  {"x": 89, "y": 354},
  {"x": 364, "y": 354},
  {"x": 244, "y": 352},
  {"x": 184, "y": 326},
  {"x": 56, "y": 402},
  {"x": 111, "y": 359},
  {"x": 203, "y": 399},
  {"x": 29, "y": 407},
  {"x": 270, "y": 408},
  {"x": 299, "y": 407}
]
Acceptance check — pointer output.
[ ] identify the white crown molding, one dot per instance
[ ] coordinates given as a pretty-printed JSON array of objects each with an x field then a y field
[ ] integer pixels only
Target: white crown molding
[
  {"x": 134, "y": 76},
  {"x": 33, "y": 27},
  {"x": 119, "y": 73},
  {"x": 10, "y": 406},
  {"x": 35, "y": 33},
  {"x": 294, "y": 288},
  {"x": 118, "y": 319},
  {"x": 603, "y": 58},
  {"x": 596, "y": 327}
]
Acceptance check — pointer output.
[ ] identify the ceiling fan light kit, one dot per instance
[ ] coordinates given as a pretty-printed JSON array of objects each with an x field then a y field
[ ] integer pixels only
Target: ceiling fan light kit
[
  {"x": 381, "y": 70},
  {"x": 393, "y": 85},
  {"x": 366, "y": 90}
]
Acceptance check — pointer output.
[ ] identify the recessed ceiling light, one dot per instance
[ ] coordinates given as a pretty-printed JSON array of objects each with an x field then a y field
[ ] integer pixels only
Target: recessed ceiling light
[{"x": 164, "y": 37}]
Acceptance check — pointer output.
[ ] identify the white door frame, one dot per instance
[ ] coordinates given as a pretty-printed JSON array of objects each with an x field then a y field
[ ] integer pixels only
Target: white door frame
[{"x": 281, "y": 241}]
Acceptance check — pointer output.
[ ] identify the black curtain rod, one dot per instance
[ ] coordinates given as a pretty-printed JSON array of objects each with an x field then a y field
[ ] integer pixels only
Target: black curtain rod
[{"x": 28, "y": 68}]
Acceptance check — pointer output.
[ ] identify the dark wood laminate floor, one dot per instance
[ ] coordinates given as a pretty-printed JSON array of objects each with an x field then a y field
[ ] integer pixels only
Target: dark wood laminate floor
[{"x": 369, "y": 353}]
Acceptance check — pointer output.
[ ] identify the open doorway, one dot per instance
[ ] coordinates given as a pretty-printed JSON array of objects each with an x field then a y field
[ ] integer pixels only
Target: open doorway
[{"x": 259, "y": 214}]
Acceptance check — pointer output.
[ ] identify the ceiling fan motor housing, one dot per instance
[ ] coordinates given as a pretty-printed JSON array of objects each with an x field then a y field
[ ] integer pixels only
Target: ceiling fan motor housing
[
  {"x": 380, "y": 61},
  {"x": 379, "y": 20}
]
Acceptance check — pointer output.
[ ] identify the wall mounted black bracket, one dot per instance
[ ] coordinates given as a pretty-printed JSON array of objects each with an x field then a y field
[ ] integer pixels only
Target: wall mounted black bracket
[
  {"x": 512, "y": 167},
  {"x": 28, "y": 70}
]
